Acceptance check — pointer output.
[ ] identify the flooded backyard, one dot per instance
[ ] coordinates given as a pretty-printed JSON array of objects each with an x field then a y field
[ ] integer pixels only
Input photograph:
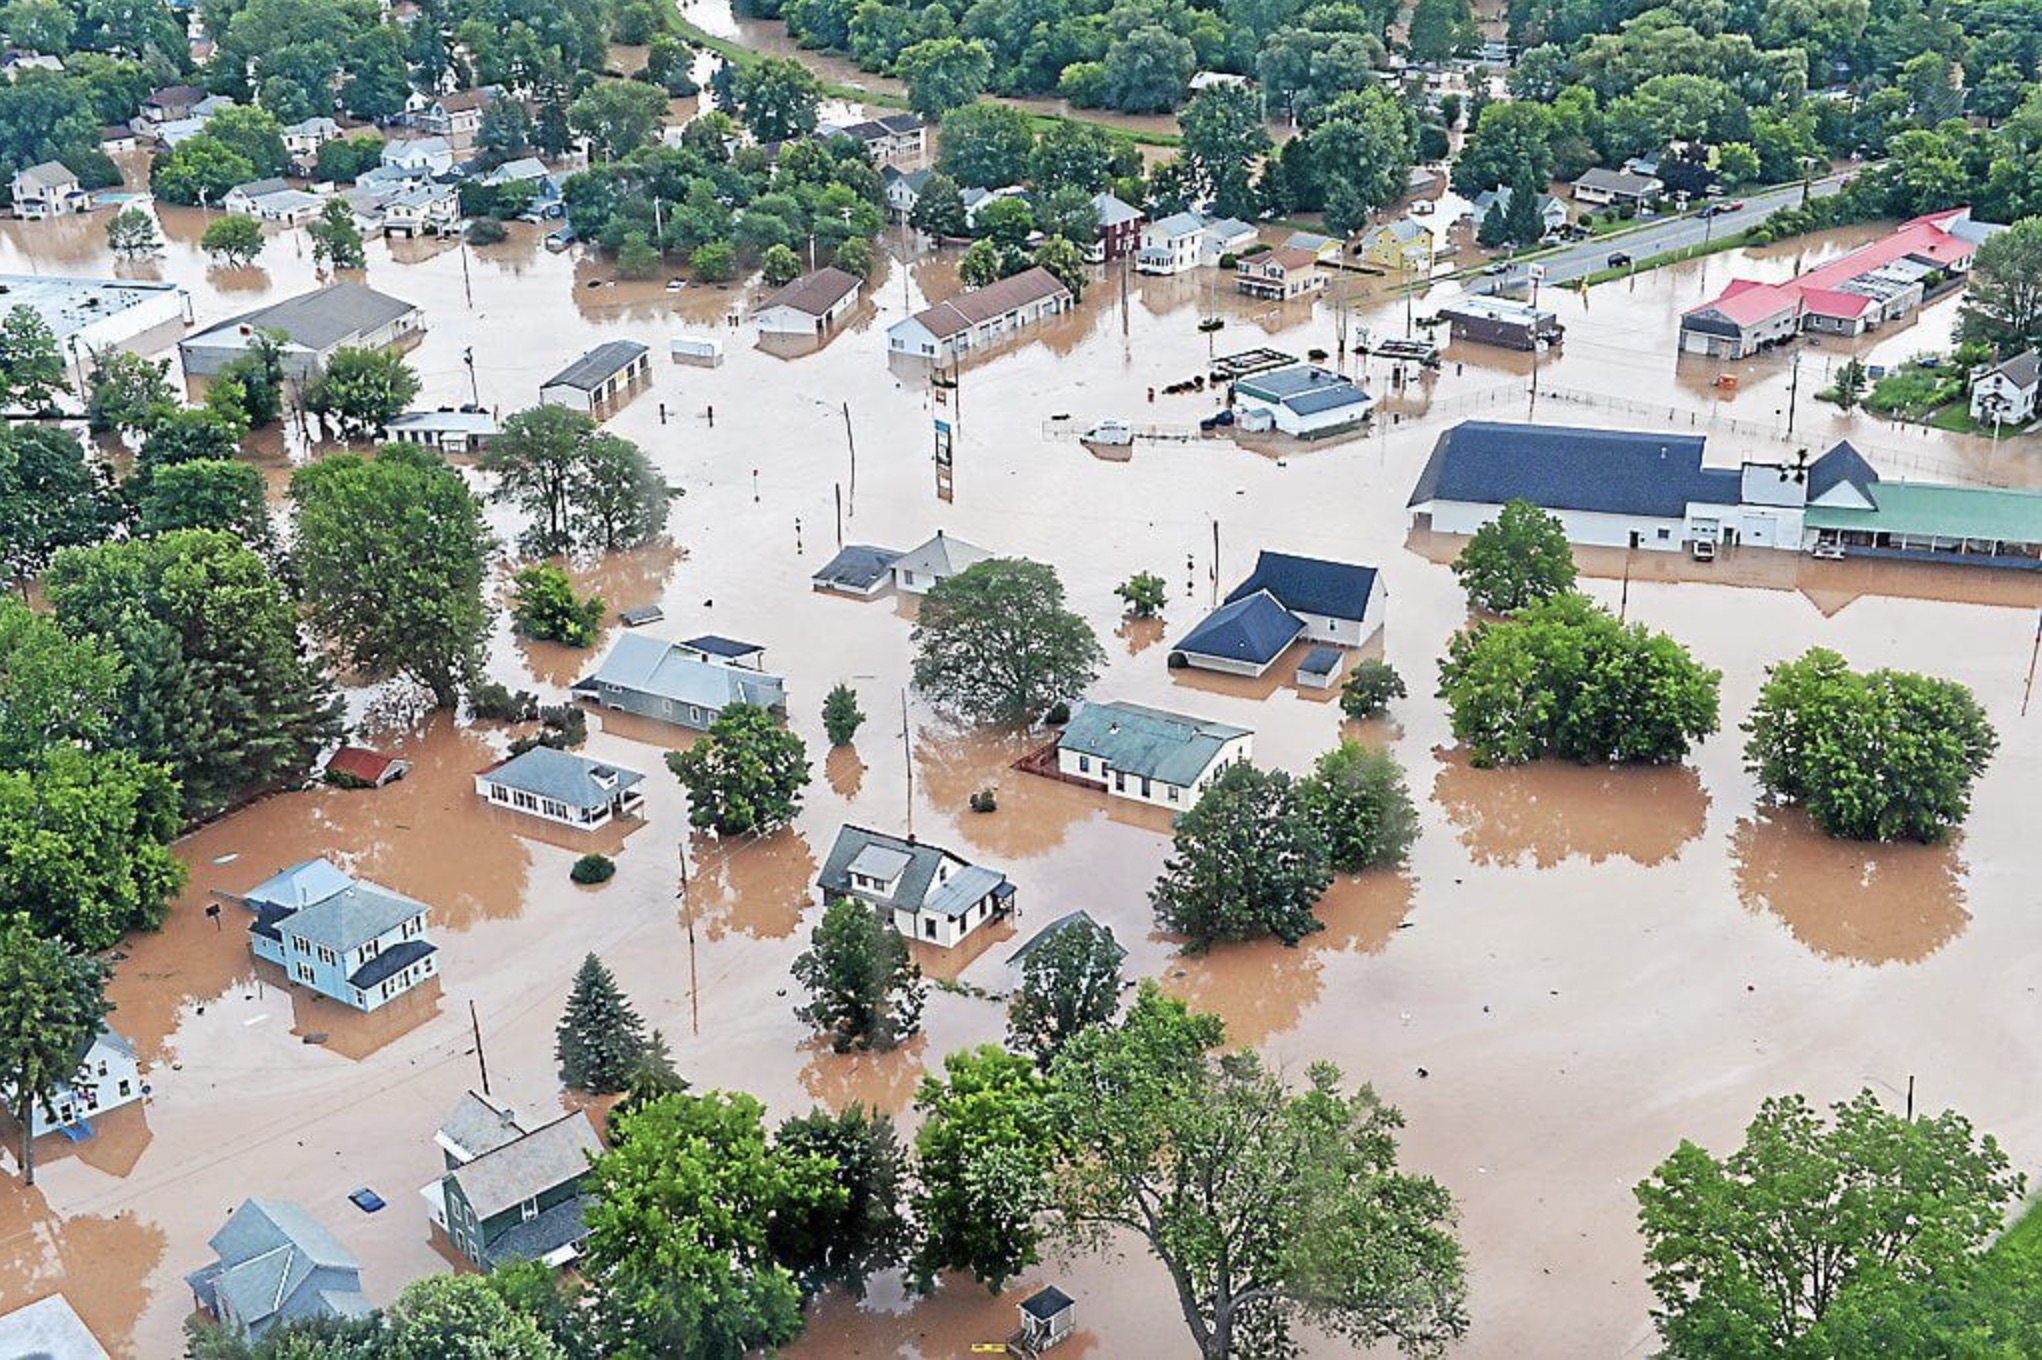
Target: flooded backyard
[{"x": 1578, "y": 968}]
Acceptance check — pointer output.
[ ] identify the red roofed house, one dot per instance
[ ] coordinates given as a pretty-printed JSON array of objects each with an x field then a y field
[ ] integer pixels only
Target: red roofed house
[
  {"x": 359, "y": 767},
  {"x": 1850, "y": 295}
]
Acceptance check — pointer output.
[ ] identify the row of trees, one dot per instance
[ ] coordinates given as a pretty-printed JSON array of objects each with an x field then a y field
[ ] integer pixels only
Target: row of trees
[{"x": 1886, "y": 755}]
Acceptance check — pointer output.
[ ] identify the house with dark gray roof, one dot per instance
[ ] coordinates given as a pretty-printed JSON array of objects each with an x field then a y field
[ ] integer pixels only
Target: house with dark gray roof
[
  {"x": 1336, "y": 601},
  {"x": 980, "y": 317},
  {"x": 1150, "y": 755},
  {"x": 2005, "y": 393},
  {"x": 512, "y": 1192},
  {"x": 357, "y": 942},
  {"x": 599, "y": 377},
  {"x": 903, "y": 189},
  {"x": 858, "y": 569},
  {"x": 1244, "y": 636},
  {"x": 1017, "y": 962},
  {"x": 676, "y": 683},
  {"x": 343, "y": 315},
  {"x": 1302, "y": 400},
  {"x": 276, "y": 1263},
  {"x": 1604, "y": 185},
  {"x": 563, "y": 787},
  {"x": 925, "y": 892}
]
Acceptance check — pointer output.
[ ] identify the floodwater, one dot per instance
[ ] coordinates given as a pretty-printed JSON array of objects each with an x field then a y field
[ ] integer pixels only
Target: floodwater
[{"x": 1577, "y": 969}]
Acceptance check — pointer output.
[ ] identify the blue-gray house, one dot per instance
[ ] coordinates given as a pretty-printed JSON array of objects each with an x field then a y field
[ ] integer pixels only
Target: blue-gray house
[
  {"x": 679, "y": 683},
  {"x": 276, "y": 1264},
  {"x": 359, "y": 943}
]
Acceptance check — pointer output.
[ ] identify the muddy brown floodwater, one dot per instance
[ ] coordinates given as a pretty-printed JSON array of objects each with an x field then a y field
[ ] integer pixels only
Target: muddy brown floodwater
[{"x": 1589, "y": 965}]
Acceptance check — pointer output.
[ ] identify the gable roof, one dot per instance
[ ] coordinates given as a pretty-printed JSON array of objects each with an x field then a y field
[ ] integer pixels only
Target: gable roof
[
  {"x": 664, "y": 670},
  {"x": 1926, "y": 510},
  {"x": 1841, "y": 464},
  {"x": 1111, "y": 211},
  {"x": 306, "y": 882},
  {"x": 1557, "y": 467},
  {"x": 1618, "y": 181},
  {"x": 857, "y": 566},
  {"x": 270, "y": 1252},
  {"x": 1310, "y": 585},
  {"x": 352, "y": 917},
  {"x": 1252, "y": 628},
  {"x": 816, "y": 293},
  {"x": 48, "y": 175},
  {"x": 2024, "y": 370},
  {"x": 1305, "y": 388},
  {"x": 370, "y": 767},
  {"x": 920, "y": 886},
  {"x": 550, "y": 1155},
  {"x": 175, "y": 97},
  {"x": 1175, "y": 225},
  {"x": 477, "y": 1125},
  {"x": 564, "y": 777},
  {"x": 1148, "y": 741},
  {"x": 1044, "y": 935},
  {"x": 941, "y": 556},
  {"x": 954, "y": 316},
  {"x": 322, "y": 318},
  {"x": 599, "y": 365},
  {"x": 257, "y": 188},
  {"x": 48, "y": 1329}
]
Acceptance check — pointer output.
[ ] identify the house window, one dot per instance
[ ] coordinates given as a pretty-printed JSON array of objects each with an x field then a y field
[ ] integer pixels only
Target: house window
[
  {"x": 529, "y": 1210},
  {"x": 1665, "y": 534},
  {"x": 1084, "y": 764},
  {"x": 929, "y": 928},
  {"x": 360, "y": 1000},
  {"x": 326, "y": 955},
  {"x": 304, "y": 972},
  {"x": 126, "y": 1088},
  {"x": 371, "y": 949},
  {"x": 694, "y": 714},
  {"x": 1173, "y": 791}
]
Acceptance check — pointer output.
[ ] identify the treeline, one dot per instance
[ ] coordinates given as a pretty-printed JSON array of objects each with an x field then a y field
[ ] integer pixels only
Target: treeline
[{"x": 1138, "y": 58}]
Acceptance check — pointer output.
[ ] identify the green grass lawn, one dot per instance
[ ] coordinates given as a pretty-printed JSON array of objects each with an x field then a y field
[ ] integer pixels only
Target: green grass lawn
[
  {"x": 2022, "y": 1241},
  {"x": 1729, "y": 242}
]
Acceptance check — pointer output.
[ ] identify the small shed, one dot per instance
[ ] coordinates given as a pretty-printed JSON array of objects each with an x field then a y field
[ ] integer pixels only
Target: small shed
[
  {"x": 359, "y": 767},
  {"x": 1047, "y": 1317},
  {"x": 1321, "y": 668}
]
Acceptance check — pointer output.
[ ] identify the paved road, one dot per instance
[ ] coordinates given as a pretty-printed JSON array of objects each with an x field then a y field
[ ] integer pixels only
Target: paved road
[{"x": 1673, "y": 233}]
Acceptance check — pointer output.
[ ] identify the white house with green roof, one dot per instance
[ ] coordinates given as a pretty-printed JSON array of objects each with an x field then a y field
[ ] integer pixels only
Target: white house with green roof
[
  {"x": 1147, "y": 754},
  {"x": 359, "y": 943}
]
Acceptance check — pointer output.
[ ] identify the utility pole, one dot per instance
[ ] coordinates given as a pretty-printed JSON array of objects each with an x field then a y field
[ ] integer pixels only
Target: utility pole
[
  {"x": 468, "y": 358},
  {"x": 907, "y": 746},
  {"x": 1215, "y": 564},
  {"x": 839, "y": 487},
  {"x": 688, "y": 918},
  {"x": 481, "y": 1061},
  {"x": 851, "y": 444},
  {"x": 467, "y": 287},
  {"x": 1793, "y": 391},
  {"x": 2035, "y": 653}
]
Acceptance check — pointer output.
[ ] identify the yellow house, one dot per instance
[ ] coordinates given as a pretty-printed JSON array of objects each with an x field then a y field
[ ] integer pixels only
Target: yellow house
[{"x": 1402, "y": 247}]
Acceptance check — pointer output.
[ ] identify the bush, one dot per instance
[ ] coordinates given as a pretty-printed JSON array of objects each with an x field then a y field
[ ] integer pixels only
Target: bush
[
  {"x": 1362, "y": 807},
  {"x": 493, "y": 702},
  {"x": 841, "y": 716},
  {"x": 1059, "y": 714},
  {"x": 593, "y": 868},
  {"x": 545, "y": 607},
  {"x": 1369, "y": 689},
  {"x": 487, "y": 231},
  {"x": 855, "y": 257},
  {"x": 715, "y": 262},
  {"x": 1144, "y": 594}
]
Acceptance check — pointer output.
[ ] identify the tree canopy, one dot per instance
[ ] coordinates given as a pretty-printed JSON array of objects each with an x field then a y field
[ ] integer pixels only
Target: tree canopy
[
  {"x": 995, "y": 644},
  {"x": 1879, "y": 756},
  {"x": 745, "y": 775},
  {"x": 864, "y": 991},
  {"x": 1248, "y": 859},
  {"x": 1519, "y": 558},
  {"x": 1070, "y": 981},
  {"x": 51, "y": 1002},
  {"x": 584, "y": 489},
  {"x": 1564, "y": 678}
]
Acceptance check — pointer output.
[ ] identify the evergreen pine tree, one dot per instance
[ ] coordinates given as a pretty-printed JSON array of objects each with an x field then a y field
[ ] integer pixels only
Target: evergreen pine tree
[
  {"x": 1521, "y": 221},
  {"x": 600, "y": 1042}
]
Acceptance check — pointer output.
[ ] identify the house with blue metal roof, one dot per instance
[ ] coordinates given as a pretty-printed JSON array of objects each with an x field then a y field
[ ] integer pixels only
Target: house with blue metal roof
[
  {"x": 276, "y": 1263},
  {"x": 1302, "y": 400},
  {"x": 1338, "y": 602},
  {"x": 1242, "y": 637},
  {"x": 563, "y": 787},
  {"x": 359, "y": 943},
  {"x": 678, "y": 682},
  {"x": 1150, "y": 755},
  {"x": 925, "y": 892}
]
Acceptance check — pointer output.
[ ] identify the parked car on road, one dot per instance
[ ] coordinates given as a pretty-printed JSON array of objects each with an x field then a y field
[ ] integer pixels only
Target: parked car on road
[{"x": 1619, "y": 259}]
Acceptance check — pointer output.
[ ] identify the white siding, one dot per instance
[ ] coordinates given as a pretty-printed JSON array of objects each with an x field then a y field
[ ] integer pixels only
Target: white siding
[{"x": 1589, "y": 528}]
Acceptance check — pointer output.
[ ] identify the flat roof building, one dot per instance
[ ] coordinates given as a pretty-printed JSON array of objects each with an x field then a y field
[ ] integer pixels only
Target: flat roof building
[
  {"x": 1502, "y": 322},
  {"x": 98, "y": 313}
]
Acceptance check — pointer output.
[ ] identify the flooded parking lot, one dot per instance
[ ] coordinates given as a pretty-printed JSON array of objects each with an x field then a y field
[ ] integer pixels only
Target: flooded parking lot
[{"x": 1577, "y": 969}]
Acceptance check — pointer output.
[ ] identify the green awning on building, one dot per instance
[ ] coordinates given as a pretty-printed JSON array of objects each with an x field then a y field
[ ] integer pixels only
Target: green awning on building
[{"x": 1921, "y": 510}]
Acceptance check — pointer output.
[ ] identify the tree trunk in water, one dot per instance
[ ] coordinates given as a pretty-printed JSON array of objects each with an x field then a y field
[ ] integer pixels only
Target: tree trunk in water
[{"x": 25, "y": 1103}]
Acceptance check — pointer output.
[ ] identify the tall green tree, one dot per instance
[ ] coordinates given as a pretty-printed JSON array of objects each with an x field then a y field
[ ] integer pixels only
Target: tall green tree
[
  {"x": 443, "y": 1316},
  {"x": 85, "y": 844},
  {"x": 1879, "y": 756},
  {"x": 392, "y": 553},
  {"x": 209, "y": 493},
  {"x": 1750, "y": 1254},
  {"x": 1564, "y": 678},
  {"x": 31, "y": 365},
  {"x": 52, "y": 496},
  {"x": 841, "y": 716},
  {"x": 336, "y": 237},
  {"x": 1224, "y": 138},
  {"x": 1440, "y": 28},
  {"x": 1148, "y": 70},
  {"x": 545, "y": 607},
  {"x": 983, "y": 1156},
  {"x": 2003, "y": 300},
  {"x": 1519, "y": 558},
  {"x": 939, "y": 208},
  {"x": 777, "y": 98},
  {"x": 583, "y": 489},
  {"x": 199, "y": 171},
  {"x": 128, "y": 392},
  {"x": 745, "y": 775},
  {"x": 1266, "y": 1205},
  {"x": 994, "y": 643},
  {"x": 1070, "y": 981},
  {"x": 54, "y": 689},
  {"x": 600, "y": 1038},
  {"x": 986, "y": 146},
  {"x": 825, "y": 1242},
  {"x": 131, "y": 233},
  {"x": 52, "y": 1000},
  {"x": 1362, "y": 806},
  {"x": 616, "y": 117},
  {"x": 218, "y": 689},
  {"x": 677, "y": 1255},
  {"x": 1246, "y": 860},
  {"x": 864, "y": 991},
  {"x": 254, "y": 134},
  {"x": 944, "y": 74},
  {"x": 362, "y": 390}
]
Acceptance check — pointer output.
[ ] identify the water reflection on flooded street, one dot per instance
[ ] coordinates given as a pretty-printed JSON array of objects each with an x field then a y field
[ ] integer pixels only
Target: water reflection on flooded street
[{"x": 1586, "y": 965}]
